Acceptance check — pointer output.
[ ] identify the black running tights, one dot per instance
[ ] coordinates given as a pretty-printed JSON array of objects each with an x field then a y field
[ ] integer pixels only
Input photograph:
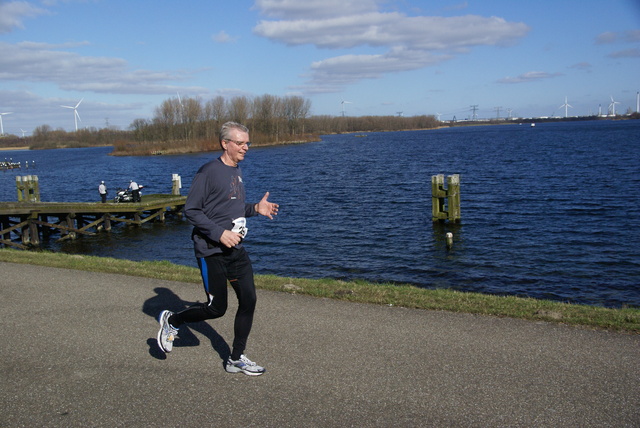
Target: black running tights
[{"x": 234, "y": 266}]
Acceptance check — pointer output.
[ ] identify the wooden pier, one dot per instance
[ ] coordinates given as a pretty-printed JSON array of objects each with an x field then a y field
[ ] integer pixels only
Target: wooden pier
[{"x": 24, "y": 224}]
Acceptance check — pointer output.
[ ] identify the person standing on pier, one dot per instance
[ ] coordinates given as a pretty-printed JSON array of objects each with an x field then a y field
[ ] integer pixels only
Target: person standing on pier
[
  {"x": 135, "y": 191},
  {"x": 217, "y": 210},
  {"x": 102, "y": 189}
]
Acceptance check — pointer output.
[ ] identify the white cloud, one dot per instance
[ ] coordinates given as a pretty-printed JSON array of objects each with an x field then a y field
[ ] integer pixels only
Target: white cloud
[
  {"x": 42, "y": 45},
  {"x": 392, "y": 29},
  {"x": 222, "y": 37},
  {"x": 12, "y": 14},
  {"x": 581, "y": 66},
  {"x": 627, "y": 53},
  {"x": 296, "y": 9},
  {"x": 334, "y": 73},
  {"x": 410, "y": 42},
  {"x": 610, "y": 37},
  {"x": 39, "y": 62},
  {"x": 458, "y": 6},
  {"x": 606, "y": 38},
  {"x": 632, "y": 36},
  {"x": 530, "y": 76}
]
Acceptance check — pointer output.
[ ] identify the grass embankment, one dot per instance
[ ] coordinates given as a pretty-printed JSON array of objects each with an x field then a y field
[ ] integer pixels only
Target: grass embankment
[{"x": 623, "y": 320}]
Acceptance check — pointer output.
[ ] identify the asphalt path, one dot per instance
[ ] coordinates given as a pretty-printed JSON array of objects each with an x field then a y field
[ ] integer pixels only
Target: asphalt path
[{"x": 79, "y": 350}]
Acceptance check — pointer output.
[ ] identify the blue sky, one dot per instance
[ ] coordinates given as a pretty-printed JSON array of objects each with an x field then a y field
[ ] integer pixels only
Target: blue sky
[{"x": 123, "y": 58}]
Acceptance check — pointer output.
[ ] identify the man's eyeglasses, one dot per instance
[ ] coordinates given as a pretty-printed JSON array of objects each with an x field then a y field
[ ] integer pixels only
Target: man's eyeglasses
[{"x": 240, "y": 143}]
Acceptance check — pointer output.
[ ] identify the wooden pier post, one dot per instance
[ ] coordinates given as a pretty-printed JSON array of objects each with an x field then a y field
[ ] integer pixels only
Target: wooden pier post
[
  {"x": 25, "y": 232},
  {"x": 19, "y": 188},
  {"x": 107, "y": 222},
  {"x": 71, "y": 226},
  {"x": 34, "y": 234},
  {"x": 28, "y": 188},
  {"x": 4, "y": 224},
  {"x": 453, "y": 197},
  {"x": 438, "y": 195},
  {"x": 445, "y": 202},
  {"x": 35, "y": 187}
]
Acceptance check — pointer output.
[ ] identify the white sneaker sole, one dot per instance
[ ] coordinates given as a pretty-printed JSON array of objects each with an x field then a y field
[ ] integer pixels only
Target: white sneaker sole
[
  {"x": 234, "y": 369},
  {"x": 159, "y": 336}
]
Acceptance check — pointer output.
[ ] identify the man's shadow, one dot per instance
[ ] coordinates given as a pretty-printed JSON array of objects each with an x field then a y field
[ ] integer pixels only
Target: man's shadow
[{"x": 167, "y": 299}]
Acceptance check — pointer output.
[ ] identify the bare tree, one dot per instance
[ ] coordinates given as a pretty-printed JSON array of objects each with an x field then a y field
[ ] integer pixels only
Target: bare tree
[
  {"x": 214, "y": 116},
  {"x": 167, "y": 116},
  {"x": 296, "y": 110},
  {"x": 239, "y": 109},
  {"x": 192, "y": 116},
  {"x": 263, "y": 114},
  {"x": 141, "y": 129}
]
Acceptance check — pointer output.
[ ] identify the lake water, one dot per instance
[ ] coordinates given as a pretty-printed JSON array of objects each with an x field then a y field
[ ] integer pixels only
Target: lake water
[{"x": 551, "y": 211}]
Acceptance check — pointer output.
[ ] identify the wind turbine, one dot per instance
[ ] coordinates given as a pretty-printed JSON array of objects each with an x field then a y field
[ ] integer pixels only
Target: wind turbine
[
  {"x": 565, "y": 105},
  {"x": 1, "y": 125},
  {"x": 76, "y": 116},
  {"x": 439, "y": 114},
  {"x": 612, "y": 106},
  {"x": 181, "y": 108},
  {"x": 23, "y": 132},
  {"x": 343, "y": 102}
]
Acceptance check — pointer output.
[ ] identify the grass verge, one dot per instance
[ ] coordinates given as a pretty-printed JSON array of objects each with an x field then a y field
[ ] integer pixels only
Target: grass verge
[{"x": 621, "y": 320}]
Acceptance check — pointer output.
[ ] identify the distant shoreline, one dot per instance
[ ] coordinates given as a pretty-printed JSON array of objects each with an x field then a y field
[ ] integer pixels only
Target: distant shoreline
[
  {"x": 156, "y": 148},
  {"x": 4, "y": 149}
]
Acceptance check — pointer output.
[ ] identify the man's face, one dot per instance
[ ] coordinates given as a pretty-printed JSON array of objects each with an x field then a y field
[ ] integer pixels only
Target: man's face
[{"x": 234, "y": 146}]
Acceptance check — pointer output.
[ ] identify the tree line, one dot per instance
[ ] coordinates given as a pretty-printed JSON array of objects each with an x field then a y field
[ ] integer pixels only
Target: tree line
[
  {"x": 192, "y": 124},
  {"x": 270, "y": 118}
]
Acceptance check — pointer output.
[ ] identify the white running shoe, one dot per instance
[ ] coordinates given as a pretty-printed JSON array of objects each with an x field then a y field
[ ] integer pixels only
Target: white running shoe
[
  {"x": 243, "y": 365},
  {"x": 167, "y": 332}
]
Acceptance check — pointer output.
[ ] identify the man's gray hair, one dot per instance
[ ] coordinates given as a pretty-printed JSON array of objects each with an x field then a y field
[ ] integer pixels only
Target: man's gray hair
[{"x": 225, "y": 131}]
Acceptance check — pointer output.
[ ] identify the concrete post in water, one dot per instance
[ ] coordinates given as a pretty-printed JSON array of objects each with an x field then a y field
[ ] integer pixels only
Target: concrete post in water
[
  {"x": 445, "y": 202},
  {"x": 177, "y": 184}
]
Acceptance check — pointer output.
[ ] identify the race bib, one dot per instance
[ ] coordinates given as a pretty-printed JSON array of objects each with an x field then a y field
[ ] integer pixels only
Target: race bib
[{"x": 240, "y": 226}]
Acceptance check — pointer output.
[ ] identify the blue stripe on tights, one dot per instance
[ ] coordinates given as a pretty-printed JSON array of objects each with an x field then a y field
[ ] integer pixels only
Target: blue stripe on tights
[{"x": 202, "y": 264}]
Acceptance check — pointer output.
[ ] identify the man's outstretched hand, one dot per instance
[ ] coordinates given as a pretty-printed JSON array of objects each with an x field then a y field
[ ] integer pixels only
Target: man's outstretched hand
[{"x": 266, "y": 208}]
